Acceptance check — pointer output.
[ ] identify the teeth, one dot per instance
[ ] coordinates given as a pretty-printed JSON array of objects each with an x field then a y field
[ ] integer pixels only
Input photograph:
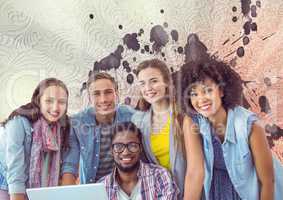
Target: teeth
[
  {"x": 205, "y": 107},
  {"x": 126, "y": 159}
]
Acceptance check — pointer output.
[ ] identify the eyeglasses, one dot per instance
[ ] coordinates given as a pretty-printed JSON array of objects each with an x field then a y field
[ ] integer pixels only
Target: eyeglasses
[{"x": 132, "y": 147}]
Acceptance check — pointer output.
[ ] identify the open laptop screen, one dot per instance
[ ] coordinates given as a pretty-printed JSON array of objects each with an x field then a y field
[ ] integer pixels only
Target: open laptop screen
[{"x": 94, "y": 191}]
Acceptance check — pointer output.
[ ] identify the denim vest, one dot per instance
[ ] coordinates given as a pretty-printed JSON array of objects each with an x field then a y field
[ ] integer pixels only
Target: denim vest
[
  {"x": 237, "y": 156},
  {"x": 15, "y": 147},
  {"x": 84, "y": 143},
  {"x": 177, "y": 160}
]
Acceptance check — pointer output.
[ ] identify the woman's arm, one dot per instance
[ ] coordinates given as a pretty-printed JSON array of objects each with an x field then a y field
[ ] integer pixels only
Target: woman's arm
[
  {"x": 195, "y": 161},
  {"x": 15, "y": 157},
  {"x": 263, "y": 162}
]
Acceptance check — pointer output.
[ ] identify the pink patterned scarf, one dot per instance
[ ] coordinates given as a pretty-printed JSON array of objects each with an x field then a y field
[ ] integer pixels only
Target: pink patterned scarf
[{"x": 45, "y": 138}]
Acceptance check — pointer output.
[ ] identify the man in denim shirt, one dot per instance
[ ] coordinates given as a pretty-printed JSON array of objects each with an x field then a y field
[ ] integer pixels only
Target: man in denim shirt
[{"x": 90, "y": 134}]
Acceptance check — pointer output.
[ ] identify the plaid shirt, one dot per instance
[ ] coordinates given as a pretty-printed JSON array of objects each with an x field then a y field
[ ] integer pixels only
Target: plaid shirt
[{"x": 156, "y": 183}]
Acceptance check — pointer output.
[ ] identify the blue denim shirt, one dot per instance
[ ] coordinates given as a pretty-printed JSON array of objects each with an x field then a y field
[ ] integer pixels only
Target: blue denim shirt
[
  {"x": 85, "y": 143},
  {"x": 177, "y": 159},
  {"x": 15, "y": 146},
  {"x": 237, "y": 156}
]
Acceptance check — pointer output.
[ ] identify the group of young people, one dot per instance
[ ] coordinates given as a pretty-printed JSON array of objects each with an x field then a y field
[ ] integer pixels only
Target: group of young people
[{"x": 189, "y": 139}]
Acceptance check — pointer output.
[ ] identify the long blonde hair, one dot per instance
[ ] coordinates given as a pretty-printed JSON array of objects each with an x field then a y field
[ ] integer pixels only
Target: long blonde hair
[{"x": 177, "y": 116}]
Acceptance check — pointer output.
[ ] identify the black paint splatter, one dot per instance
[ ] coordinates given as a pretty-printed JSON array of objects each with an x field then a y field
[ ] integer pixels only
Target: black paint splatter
[
  {"x": 141, "y": 31},
  {"x": 195, "y": 50},
  {"x": 246, "y": 40},
  {"x": 264, "y": 104},
  {"x": 161, "y": 11},
  {"x": 163, "y": 54},
  {"x": 111, "y": 61},
  {"x": 175, "y": 35},
  {"x": 225, "y": 42},
  {"x": 83, "y": 87},
  {"x": 258, "y": 4},
  {"x": 91, "y": 16},
  {"x": 247, "y": 27},
  {"x": 120, "y": 27},
  {"x": 241, "y": 51},
  {"x": 245, "y": 5},
  {"x": 234, "y": 9},
  {"x": 131, "y": 41},
  {"x": 254, "y": 26},
  {"x": 130, "y": 78},
  {"x": 234, "y": 19},
  {"x": 165, "y": 24},
  {"x": 159, "y": 37},
  {"x": 275, "y": 131},
  {"x": 267, "y": 81},
  {"x": 180, "y": 50},
  {"x": 146, "y": 48},
  {"x": 253, "y": 11}
]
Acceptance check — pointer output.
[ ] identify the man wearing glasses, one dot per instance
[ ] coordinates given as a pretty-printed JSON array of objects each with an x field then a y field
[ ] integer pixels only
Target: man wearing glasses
[{"x": 131, "y": 178}]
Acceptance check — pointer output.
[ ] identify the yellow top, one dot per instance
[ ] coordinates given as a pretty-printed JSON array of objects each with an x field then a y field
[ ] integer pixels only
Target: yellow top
[{"x": 160, "y": 145}]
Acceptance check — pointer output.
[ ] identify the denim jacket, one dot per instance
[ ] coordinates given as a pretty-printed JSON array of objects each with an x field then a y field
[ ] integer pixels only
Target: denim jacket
[
  {"x": 177, "y": 160},
  {"x": 237, "y": 156},
  {"x": 85, "y": 143},
  {"x": 15, "y": 147}
]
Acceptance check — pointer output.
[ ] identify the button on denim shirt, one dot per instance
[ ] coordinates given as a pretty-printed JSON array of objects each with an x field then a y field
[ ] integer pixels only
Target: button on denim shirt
[
  {"x": 15, "y": 147},
  {"x": 85, "y": 143},
  {"x": 177, "y": 161},
  {"x": 237, "y": 156}
]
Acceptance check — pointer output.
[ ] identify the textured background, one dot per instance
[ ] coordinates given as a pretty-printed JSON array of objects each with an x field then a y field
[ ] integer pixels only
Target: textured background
[{"x": 69, "y": 38}]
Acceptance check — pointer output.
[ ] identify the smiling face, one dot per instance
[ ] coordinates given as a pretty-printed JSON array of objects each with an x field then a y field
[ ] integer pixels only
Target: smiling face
[
  {"x": 152, "y": 85},
  {"x": 53, "y": 103},
  {"x": 206, "y": 97},
  {"x": 126, "y": 151},
  {"x": 102, "y": 95}
]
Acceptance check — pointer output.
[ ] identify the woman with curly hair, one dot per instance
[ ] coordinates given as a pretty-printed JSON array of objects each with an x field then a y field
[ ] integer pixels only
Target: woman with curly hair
[
  {"x": 238, "y": 161},
  {"x": 32, "y": 141},
  {"x": 165, "y": 128}
]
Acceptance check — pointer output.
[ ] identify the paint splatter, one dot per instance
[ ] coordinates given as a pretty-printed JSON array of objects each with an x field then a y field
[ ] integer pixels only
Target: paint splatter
[
  {"x": 146, "y": 48},
  {"x": 111, "y": 61},
  {"x": 165, "y": 24},
  {"x": 267, "y": 81},
  {"x": 161, "y": 11},
  {"x": 131, "y": 41},
  {"x": 264, "y": 104},
  {"x": 120, "y": 26},
  {"x": 247, "y": 27},
  {"x": 234, "y": 9},
  {"x": 234, "y": 19},
  {"x": 130, "y": 78},
  {"x": 258, "y": 4},
  {"x": 195, "y": 50},
  {"x": 180, "y": 50},
  {"x": 253, "y": 11},
  {"x": 159, "y": 37},
  {"x": 246, "y": 40},
  {"x": 254, "y": 26},
  {"x": 175, "y": 35},
  {"x": 126, "y": 66},
  {"x": 91, "y": 16},
  {"x": 245, "y": 5},
  {"x": 225, "y": 42},
  {"x": 241, "y": 51}
]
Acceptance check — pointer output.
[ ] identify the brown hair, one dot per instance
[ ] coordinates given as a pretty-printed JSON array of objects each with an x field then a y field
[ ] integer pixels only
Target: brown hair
[
  {"x": 177, "y": 116},
  {"x": 94, "y": 76},
  {"x": 31, "y": 110}
]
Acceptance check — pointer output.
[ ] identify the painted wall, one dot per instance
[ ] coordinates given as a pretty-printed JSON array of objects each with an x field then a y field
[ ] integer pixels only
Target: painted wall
[{"x": 69, "y": 38}]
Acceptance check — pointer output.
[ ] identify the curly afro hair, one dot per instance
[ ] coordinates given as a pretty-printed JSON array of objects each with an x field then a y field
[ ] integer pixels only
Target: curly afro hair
[{"x": 221, "y": 73}]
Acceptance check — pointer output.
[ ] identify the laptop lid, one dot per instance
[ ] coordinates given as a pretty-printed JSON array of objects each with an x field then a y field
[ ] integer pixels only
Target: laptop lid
[{"x": 94, "y": 191}]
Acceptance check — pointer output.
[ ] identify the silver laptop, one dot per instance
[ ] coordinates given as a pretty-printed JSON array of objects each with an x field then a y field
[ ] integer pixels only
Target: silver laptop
[{"x": 94, "y": 191}]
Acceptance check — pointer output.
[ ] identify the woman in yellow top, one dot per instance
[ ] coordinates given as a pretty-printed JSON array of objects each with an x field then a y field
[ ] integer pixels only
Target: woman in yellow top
[{"x": 167, "y": 132}]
